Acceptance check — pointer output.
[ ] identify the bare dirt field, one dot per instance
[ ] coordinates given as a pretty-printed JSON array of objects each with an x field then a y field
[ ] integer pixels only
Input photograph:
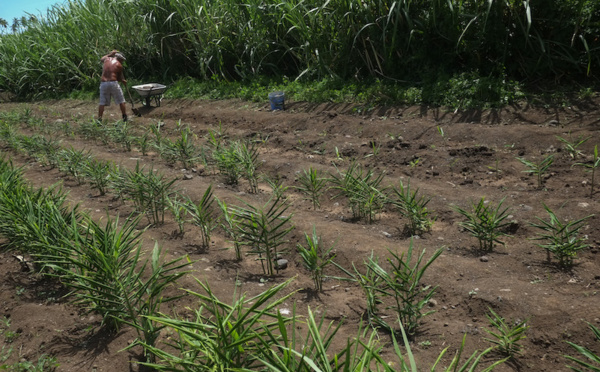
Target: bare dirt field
[{"x": 475, "y": 157}]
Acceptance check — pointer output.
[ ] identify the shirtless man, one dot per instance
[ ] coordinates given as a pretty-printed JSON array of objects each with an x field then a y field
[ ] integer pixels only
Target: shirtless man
[{"x": 112, "y": 74}]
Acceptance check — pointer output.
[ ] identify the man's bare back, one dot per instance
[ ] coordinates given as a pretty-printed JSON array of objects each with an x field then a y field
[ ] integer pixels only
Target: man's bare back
[{"x": 112, "y": 69}]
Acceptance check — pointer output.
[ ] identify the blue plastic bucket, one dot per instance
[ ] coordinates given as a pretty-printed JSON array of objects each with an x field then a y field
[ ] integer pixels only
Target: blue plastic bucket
[{"x": 277, "y": 100}]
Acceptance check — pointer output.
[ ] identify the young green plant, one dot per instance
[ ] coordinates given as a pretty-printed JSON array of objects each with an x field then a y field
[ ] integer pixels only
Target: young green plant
[
  {"x": 203, "y": 215},
  {"x": 222, "y": 336},
  {"x": 506, "y": 336},
  {"x": 227, "y": 162},
  {"x": 572, "y": 146},
  {"x": 246, "y": 155},
  {"x": 276, "y": 184},
  {"x": 363, "y": 190},
  {"x": 231, "y": 228},
  {"x": 561, "y": 239},
  {"x": 413, "y": 208},
  {"x": 150, "y": 192},
  {"x": 73, "y": 162},
  {"x": 486, "y": 223},
  {"x": 312, "y": 185},
  {"x": 402, "y": 283},
  {"x": 264, "y": 229},
  {"x": 315, "y": 257},
  {"x": 538, "y": 169},
  {"x": 104, "y": 268},
  {"x": 593, "y": 359},
  {"x": 178, "y": 207},
  {"x": 369, "y": 282},
  {"x": 97, "y": 173}
]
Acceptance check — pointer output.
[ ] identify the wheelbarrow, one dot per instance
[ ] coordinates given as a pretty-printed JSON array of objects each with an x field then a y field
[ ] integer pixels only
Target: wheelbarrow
[{"x": 150, "y": 92}]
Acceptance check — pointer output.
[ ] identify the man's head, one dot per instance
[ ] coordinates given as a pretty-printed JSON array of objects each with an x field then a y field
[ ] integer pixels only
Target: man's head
[{"x": 120, "y": 57}]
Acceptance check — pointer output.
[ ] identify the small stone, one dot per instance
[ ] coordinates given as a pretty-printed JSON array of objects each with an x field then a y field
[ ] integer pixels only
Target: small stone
[
  {"x": 282, "y": 264},
  {"x": 484, "y": 259},
  {"x": 432, "y": 303},
  {"x": 553, "y": 123},
  {"x": 187, "y": 176},
  {"x": 583, "y": 205},
  {"x": 386, "y": 234}
]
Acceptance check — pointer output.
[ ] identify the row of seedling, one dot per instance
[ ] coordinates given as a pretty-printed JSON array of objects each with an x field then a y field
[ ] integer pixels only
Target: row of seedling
[
  {"x": 367, "y": 197},
  {"x": 572, "y": 147},
  {"x": 102, "y": 265},
  {"x": 401, "y": 283},
  {"x": 148, "y": 190},
  {"x": 99, "y": 263},
  {"x": 152, "y": 194},
  {"x": 561, "y": 238},
  {"x": 239, "y": 159},
  {"x": 262, "y": 229},
  {"x": 235, "y": 161},
  {"x": 232, "y": 159}
]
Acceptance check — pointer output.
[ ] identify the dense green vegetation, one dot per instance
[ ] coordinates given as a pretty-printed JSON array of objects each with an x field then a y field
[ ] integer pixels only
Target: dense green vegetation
[{"x": 394, "y": 51}]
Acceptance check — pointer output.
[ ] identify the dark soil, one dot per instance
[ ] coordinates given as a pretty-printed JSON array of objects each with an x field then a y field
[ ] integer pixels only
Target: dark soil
[{"x": 475, "y": 158}]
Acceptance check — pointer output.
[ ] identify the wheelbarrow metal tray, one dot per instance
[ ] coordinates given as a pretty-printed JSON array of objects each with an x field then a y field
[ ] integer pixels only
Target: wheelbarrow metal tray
[{"x": 148, "y": 90}]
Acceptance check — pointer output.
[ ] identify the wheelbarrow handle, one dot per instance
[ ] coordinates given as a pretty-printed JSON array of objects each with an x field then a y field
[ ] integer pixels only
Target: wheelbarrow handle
[{"x": 133, "y": 109}]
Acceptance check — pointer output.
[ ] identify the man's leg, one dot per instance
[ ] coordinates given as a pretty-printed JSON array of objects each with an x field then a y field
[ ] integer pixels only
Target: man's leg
[
  {"x": 100, "y": 112},
  {"x": 124, "y": 110}
]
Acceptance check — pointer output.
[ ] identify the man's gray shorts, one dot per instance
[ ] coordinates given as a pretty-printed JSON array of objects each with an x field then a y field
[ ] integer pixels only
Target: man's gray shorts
[{"x": 111, "y": 89}]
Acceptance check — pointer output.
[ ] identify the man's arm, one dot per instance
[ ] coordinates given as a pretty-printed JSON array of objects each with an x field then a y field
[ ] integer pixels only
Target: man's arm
[
  {"x": 121, "y": 77},
  {"x": 111, "y": 54}
]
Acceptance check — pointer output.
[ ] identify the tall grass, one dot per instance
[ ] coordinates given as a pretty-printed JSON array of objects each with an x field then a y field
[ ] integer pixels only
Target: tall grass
[{"x": 422, "y": 42}]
